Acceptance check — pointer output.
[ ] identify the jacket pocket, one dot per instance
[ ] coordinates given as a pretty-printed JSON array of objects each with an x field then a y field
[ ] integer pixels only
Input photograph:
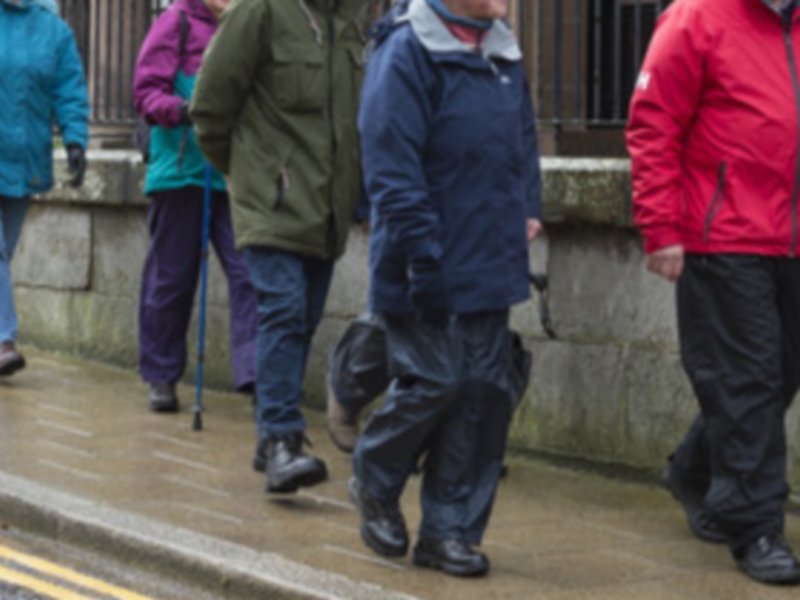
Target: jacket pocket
[
  {"x": 298, "y": 77},
  {"x": 717, "y": 200}
]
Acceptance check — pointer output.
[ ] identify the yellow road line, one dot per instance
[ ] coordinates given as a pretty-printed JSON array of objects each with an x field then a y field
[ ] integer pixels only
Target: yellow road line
[
  {"x": 37, "y": 585},
  {"x": 49, "y": 568}
]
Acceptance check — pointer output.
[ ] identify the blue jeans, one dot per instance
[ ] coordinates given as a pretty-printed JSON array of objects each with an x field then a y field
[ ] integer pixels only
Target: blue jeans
[
  {"x": 291, "y": 291},
  {"x": 12, "y": 215}
]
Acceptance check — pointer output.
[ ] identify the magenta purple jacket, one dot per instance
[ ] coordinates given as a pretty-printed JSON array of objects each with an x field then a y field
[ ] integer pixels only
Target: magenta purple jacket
[{"x": 164, "y": 79}]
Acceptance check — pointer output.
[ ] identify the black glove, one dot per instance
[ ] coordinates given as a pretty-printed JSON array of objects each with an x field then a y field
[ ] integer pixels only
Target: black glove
[
  {"x": 76, "y": 164},
  {"x": 184, "y": 118},
  {"x": 429, "y": 290}
]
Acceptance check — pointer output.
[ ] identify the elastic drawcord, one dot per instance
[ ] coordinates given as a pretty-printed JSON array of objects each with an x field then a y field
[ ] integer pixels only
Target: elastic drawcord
[{"x": 312, "y": 22}]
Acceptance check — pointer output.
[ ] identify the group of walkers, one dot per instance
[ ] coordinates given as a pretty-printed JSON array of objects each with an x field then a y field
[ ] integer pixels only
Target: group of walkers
[{"x": 432, "y": 142}]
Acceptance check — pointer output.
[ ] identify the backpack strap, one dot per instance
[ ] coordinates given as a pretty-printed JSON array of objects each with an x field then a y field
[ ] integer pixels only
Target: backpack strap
[{"x": 184, "y": 35}]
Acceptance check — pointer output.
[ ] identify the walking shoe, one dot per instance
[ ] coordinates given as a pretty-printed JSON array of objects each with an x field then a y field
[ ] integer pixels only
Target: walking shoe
[
  {"x": 383, "y": 527},
  {"x": 702, "y": 523},
  {"x": 342, "y": 426},
  {"x": 454, "y": 557},
  {"x": 769, "y": 560},
  {"x": 163, "y": 398},
  {"x": 288, "y": 467},
  {"x": 11, "y": 361}
]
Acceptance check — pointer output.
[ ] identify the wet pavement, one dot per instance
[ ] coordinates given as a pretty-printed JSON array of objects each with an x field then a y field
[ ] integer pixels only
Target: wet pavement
[{"x": 77, "y": 442}]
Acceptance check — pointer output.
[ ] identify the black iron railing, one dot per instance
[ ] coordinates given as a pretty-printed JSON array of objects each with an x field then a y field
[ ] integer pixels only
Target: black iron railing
[
  {"x": 109, "y": 34},
  {"x": 587, "y": 55},
  {"x": 583, "y": 55}
]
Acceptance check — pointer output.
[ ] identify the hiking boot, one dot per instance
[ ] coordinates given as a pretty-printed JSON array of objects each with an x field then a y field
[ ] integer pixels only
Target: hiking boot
[
  {"x": 702, "y": 523},
  {"x": 341, "y": 425},
  {"x": 288, "y": 467},
  {"x": 383, "y": 527},
  {"x": 769, "y": 560},
  {"x": 454, "y": 557},
  {"x": 11, "y": 361},
  {"x": 163, "y": 398}
]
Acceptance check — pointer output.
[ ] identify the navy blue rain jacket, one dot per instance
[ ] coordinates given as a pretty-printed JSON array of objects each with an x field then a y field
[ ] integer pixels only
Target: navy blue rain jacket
[
  {"x": 41, "y": 81},
  {"x": 451, "y": 164}
]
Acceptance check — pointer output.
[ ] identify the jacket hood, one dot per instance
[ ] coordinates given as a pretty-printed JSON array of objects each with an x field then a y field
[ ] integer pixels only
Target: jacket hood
[
  {"x": 434, "y": 35},
  {"x": 18, "y": 4},
  {"x": 350, "y": 8},
  {"x": 196, "y": 8},
  {"x": 48, "y": 5}
]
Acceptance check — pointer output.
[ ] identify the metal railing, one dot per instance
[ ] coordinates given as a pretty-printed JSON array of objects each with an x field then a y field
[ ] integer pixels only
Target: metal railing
[
  {"x": 583, "y": 55},
  {"x": 586, "y": 56},
  {"x": 109, "y": 34}
]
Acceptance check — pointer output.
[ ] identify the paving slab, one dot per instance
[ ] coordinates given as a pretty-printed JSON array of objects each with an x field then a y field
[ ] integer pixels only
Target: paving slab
[{"x": 83, "y": 461}]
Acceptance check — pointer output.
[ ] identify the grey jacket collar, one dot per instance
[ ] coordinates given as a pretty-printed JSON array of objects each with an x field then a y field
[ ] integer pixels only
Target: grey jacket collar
[{"x": 500, "y": 41}]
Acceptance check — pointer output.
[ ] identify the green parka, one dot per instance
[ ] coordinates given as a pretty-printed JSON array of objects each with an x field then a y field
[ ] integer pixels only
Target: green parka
[{"x": 275, "y": 108}]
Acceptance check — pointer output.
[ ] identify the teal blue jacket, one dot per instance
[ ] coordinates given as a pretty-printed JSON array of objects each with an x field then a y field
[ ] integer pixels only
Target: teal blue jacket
[{"x": 41, "y": 81}]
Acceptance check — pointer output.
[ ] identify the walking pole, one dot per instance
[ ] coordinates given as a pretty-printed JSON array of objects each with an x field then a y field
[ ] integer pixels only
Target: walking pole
[{"x": 201, "y": 334}]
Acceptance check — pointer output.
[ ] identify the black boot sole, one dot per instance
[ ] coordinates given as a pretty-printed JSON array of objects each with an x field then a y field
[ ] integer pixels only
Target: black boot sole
[
  {"x": 775, "y": 577},
  {"x": 12, "y": 367},
  {"x": 166, "y": 407},
  {"x": 428, "y": 561},
  {"x": 292, "y": 485}
]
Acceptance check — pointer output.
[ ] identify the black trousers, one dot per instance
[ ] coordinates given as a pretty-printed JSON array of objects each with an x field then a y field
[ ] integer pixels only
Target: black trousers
[
  {"x": 358, "y": 367},
  {"x": 450, "y": 399},
  {"x": 739, "y": 327}
]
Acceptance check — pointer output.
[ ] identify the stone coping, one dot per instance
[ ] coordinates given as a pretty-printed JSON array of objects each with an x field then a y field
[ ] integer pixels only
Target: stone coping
[{"x": 576, "y": 190}]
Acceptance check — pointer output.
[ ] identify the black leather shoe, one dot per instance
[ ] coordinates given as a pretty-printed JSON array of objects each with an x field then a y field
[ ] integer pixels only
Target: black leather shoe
[
  {"x": 383, "y": 527},
  {"x": 289, "y": 468},
  {"x": 454, "y": 557},
  {"x": 163, "y": 398},
  {"x": 11, "y": 360},
  {"x": 769, "y": 560},
  {"x": 701, "y": 522}
]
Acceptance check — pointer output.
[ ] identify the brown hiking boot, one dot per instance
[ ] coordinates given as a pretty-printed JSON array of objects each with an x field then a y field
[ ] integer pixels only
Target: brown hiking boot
[
  {"x": 11, "y": 361},
  {"x": 342, "y": 426}
]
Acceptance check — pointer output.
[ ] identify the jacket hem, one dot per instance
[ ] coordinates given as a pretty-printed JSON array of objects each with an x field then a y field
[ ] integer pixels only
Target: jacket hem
[
  {"x": 282, "y": 244},
  {"x": 759, "y": 249}
]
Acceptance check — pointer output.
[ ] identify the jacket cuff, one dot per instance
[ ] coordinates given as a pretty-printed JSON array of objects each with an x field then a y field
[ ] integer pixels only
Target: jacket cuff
[{"x": 661, "y": 236}]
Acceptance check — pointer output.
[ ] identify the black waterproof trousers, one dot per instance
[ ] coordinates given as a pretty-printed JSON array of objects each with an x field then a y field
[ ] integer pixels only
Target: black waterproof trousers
[
  {"x": 739, "y": 326},
  {"x": 450, "y": 400},
  {"x": 358, "y": 367}
]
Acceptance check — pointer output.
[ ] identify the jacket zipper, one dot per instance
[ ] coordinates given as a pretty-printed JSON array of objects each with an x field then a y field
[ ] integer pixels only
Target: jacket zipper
[
  {"x": 787, "y": 36},
  {"x": 334, "y": 149},
  {"x": 716, "y": 201}
]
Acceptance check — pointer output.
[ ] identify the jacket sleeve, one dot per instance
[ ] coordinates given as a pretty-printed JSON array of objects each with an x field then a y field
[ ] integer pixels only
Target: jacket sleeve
[
  {"x": 663, "y": 106},
  {"x": 70, "y": 101},
  {"x": 226, "y": 77},
  {"x": 533, "y": 171},
  {"x": 154, "y": 79},
  {"x": 394, "y": 120}
]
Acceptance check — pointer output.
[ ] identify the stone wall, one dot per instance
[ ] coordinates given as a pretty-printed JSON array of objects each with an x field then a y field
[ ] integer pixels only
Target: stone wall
[{"x": 609, "y": 389}]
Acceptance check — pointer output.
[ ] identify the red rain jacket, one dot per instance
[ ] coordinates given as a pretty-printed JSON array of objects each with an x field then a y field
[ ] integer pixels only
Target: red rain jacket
[{"x": 713, "y": 130}]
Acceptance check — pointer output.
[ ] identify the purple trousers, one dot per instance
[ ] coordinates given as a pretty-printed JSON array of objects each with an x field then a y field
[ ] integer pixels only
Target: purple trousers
[{"x": 169, "y": 283}]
